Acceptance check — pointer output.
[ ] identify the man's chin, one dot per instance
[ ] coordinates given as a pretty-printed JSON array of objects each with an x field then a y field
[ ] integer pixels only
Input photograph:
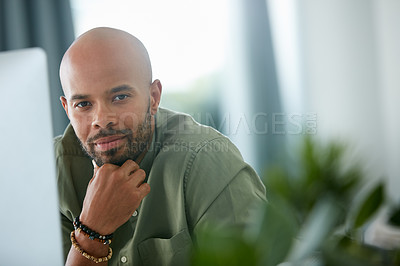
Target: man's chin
[
  {"x": 110, "y": 156},
  {"x": 116, "y": 161},
  {"x": 116, "y": 156},
  {"x": 113, "y": 156}
]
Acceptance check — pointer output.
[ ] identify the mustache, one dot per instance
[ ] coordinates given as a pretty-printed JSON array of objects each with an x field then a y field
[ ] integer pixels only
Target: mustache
[{"x": 107, "y": 133}]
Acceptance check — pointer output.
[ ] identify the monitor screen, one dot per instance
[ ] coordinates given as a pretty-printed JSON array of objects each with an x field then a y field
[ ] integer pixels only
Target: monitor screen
[{"x": 30, "y": 223}]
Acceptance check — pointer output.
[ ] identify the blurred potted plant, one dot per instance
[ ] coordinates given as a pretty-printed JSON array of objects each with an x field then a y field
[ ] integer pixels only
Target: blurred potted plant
[{"x": 312, "y": 218}]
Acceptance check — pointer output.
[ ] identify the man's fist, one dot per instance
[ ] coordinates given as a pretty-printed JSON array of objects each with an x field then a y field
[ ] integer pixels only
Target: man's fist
[{"x": 113, "y": 195}]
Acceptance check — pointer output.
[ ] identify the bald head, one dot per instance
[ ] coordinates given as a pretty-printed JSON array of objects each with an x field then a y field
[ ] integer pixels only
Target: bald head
[{"x": 103, "y": 53}]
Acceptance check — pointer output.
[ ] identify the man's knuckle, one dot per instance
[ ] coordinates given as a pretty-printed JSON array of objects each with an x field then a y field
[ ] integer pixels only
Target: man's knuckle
[
  {"x": 146, "y": 188},
  {"x": 131, "y": 163},
  {"x": 141, "y": 172}
]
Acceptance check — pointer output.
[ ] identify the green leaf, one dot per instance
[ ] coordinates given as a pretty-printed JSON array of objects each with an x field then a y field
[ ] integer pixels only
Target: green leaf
[
  {"x": 277, "y": 231},
  {"x": 277, "y": 183},
  {"x": 320, "y": 223},
  {"x": 394, "y": 218},
  {"x": 370, "y": 205},
  {"x": 223, "y": 246},
  {"x": 349, "y": 252}
]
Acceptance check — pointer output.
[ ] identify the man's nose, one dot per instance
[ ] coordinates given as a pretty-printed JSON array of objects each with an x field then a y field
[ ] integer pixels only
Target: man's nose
[{"x": 103, "y": 117}]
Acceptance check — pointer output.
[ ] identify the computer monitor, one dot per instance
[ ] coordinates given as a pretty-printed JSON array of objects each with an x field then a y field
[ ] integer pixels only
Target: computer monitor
[{"x": 29, "y": 223}]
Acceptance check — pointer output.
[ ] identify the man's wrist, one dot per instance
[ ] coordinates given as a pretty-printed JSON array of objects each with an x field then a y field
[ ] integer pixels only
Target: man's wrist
[
  {"x": 94, "y": 248},
  {"x": 93, "y": 224},
  {"x": 90, "y": 233}
]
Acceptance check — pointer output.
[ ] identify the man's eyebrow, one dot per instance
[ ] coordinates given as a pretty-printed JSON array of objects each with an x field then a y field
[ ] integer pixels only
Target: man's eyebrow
[
  {"x": 122, "y": 88},
  {"x": 79, "y": 97}
]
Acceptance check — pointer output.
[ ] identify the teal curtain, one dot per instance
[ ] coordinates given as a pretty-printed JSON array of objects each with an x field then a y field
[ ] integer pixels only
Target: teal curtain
[
  {"x": 251, "y": 91},
  {"x": 263, "y": 84},
  {"x": 40, "y": 23}
]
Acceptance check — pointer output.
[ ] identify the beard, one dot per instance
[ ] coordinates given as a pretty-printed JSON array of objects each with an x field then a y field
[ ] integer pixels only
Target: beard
[{"x": 135, "y": 145}]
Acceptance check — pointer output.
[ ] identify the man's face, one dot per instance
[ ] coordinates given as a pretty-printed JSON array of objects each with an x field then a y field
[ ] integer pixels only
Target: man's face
[
  {"x": 116, "y": 145},
  {"x": 109, "y": 110}
]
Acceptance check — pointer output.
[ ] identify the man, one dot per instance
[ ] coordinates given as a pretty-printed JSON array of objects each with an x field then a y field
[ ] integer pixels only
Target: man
[{"x": 120, "y": 144}]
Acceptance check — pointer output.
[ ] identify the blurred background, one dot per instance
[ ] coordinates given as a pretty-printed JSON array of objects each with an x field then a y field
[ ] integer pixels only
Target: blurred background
[{"x": 263, "y": 72}]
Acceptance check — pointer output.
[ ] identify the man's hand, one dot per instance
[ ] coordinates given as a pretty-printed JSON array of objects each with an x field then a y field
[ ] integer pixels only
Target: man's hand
[{"x": 113, "y": 194}]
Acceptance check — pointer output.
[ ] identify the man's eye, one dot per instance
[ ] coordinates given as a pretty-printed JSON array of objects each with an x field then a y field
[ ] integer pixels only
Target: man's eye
[
  {"x": 120, "y": 97},
  {"x": 83, "y": 104}
]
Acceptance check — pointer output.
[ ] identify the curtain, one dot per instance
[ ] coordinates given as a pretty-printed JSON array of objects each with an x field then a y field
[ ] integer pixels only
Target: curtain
[
  {"x": 40, "y": 23},
  {"x": 251, "y": 88},
  {"x": 263, "y": 83}
]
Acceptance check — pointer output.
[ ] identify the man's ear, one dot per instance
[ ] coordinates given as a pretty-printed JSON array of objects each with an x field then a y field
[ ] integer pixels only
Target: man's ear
[
  {"x": 64, "y": 103},
  {"x": 155, "y": 96}
]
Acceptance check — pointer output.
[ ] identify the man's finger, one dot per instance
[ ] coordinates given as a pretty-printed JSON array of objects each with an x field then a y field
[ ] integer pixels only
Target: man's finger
[
  {"x": 144, "y": 189},
  {"x": 138, "y": 177},
  {"x": 129, "y": 167}
]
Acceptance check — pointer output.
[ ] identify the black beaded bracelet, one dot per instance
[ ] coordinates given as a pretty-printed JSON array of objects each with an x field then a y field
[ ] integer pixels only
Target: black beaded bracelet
[{"x": 91, "y": 233}]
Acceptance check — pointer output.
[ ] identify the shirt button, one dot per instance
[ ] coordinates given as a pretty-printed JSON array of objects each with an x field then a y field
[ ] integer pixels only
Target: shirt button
[
  {"x": 124, "y": 259},
  {"x": 135, "y": 214}
]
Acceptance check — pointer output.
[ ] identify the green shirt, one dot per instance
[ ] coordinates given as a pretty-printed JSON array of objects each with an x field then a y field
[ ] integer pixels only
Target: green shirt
[{"x": 196, "y": 175}]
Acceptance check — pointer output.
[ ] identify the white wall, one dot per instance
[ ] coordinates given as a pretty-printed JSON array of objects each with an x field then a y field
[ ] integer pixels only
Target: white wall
[
  {"x": 351, "y": 64},
  {"x": 387, "y": 17}
]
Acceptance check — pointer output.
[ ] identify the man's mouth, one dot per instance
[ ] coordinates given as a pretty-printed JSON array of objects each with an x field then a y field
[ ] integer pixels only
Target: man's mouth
[{"x": 107, "y": 143}]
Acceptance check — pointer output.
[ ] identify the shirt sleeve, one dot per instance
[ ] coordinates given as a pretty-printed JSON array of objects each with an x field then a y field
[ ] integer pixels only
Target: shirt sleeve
[
  {"x": 221, "y": 188},
  {"x": 66, "y": 229}
]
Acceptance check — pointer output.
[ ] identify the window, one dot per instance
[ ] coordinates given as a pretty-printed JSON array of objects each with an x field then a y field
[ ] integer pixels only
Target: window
[{"x": 186, "y": 41}]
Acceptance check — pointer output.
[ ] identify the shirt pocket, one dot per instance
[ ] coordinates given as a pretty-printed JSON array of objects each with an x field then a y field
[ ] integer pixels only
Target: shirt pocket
[{"x": 164, "y": 252}]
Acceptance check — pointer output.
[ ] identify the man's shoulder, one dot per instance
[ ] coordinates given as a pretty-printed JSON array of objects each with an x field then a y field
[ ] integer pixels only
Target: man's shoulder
[
  {"x": 183, "y": 143},
  {"x": 175, "y": 128},
  {"x": 67, "y": 144}
]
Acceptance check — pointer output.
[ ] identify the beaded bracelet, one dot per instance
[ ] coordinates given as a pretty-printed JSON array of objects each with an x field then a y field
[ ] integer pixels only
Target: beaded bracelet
[
  {"x": 86, "y": 255},
  {"x": 105, "y": 242},
  {"x": 91, "y": 233}
]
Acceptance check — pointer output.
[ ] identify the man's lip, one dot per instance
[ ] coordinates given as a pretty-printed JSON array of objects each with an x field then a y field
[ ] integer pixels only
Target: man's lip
[{"x": 106, "y": 140}]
